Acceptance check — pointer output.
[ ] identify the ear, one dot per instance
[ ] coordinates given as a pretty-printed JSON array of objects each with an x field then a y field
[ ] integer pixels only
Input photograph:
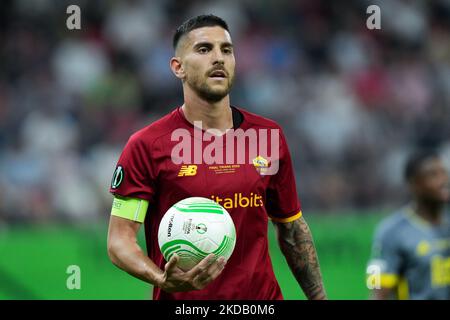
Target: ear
[{"x": 177, "y": 68}]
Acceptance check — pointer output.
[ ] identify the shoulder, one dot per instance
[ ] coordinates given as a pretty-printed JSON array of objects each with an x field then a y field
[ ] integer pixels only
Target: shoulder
[
  {"x": 259, "y": 121},
  {"x": 155, "y": 130},
  {"x": 393, "y": 225}
]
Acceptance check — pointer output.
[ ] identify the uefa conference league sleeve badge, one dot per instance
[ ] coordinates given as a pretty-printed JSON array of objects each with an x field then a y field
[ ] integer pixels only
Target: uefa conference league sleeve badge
[{"x": 117, "y": 177}]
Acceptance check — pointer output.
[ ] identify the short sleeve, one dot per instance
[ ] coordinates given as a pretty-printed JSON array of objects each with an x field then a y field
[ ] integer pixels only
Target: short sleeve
[
  {"x": 282, "y": 202},
  {"x": 386, "y": 256},
  {"x": 133, "y": 176}
]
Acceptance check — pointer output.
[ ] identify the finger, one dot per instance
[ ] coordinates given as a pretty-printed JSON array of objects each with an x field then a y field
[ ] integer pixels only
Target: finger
[
  {"x": 171, "y": 264},
  {"x": 216, "y": 269},
  {"x": 202, "y": 266},
  {"x": 211, "y": 273}
]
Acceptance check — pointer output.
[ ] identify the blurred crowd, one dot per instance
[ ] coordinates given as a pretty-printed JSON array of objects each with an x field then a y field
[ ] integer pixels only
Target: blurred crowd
[{"x": 353, "y": 102}]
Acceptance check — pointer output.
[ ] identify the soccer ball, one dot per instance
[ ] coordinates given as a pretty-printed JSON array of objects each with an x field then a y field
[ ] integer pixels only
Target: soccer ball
[{"x": 193, "y": 228}]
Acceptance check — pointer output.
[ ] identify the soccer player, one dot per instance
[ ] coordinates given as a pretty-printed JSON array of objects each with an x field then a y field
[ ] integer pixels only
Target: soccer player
[
  {"x": 412, "y": 247},
  {"x": 147, "y": 182}
]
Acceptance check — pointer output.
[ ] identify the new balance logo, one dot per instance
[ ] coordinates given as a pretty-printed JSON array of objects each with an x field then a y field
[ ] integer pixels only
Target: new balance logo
[{"x": 187, "y": 171}]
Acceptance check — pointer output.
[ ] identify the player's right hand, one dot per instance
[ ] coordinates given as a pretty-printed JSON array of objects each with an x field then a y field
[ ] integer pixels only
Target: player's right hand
[{"x": 176, "y": 280}]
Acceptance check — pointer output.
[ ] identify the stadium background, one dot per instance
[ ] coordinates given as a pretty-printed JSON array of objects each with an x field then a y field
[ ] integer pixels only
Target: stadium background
[{"x": 353, "y": 103}]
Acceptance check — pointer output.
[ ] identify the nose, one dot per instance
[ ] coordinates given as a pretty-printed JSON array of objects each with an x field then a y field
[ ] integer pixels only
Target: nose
[{"x": 217, "y": 56}]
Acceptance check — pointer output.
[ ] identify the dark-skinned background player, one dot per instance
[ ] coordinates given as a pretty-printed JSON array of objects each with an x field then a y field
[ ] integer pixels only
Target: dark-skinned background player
[{"x": 412, "y": 247}]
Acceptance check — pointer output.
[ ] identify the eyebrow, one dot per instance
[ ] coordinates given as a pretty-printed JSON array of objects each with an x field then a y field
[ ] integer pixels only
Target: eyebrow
[{"x": 209, "y": 44}]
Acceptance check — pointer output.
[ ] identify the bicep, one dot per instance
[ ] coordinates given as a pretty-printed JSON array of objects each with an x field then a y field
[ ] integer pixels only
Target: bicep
[
  {"x": 127, "y": 215},
  {"x": 387, "y": 256},
  {"x": 282, "y": 201},
  {"x": 387, "y": 259},
  {"x": 124, "y": 250},
  {"x": 121, "y": 229}
]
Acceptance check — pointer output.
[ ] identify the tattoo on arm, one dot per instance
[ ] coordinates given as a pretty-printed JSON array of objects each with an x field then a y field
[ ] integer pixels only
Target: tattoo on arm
[{"x": 297, "y": 245}]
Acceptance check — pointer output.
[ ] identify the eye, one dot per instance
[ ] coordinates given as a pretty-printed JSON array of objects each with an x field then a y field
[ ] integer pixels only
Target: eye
[
  {"x": 227, "y": 50},
  {"x": 203, "y": 50}
]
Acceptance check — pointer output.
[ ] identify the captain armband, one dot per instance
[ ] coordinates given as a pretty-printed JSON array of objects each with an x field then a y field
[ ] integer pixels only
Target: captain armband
[{"x": 129, "y": 208}]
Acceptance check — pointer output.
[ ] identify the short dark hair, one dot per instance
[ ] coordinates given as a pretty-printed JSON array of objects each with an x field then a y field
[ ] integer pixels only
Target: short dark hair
[
  {"x": 416, "y": 160},
  {"x": 204, "y": 20}
]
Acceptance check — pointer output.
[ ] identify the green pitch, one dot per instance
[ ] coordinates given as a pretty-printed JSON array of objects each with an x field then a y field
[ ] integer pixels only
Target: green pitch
[{"x": 34, "y": 260}]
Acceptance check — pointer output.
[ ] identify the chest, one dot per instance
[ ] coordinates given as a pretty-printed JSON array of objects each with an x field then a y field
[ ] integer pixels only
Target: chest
[
  {"x": 215, "y": 181},
  {"x": 238, "y": 185},
  {"x": 429, "y": 251}
]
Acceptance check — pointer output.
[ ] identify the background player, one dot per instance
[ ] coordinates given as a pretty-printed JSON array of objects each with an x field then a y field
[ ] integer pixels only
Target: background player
[
  {"x": 412, "y": 247},
  {"x": 147, "y": 177}
]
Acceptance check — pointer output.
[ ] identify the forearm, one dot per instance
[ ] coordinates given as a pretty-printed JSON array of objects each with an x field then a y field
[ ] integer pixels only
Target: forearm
[
  {"x": 129, "y": 257},
  {"x": 296, "y": 243},
  {"x": 382, "y": 294}
]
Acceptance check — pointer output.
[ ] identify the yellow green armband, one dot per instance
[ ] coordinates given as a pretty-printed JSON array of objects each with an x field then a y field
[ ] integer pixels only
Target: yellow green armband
[{"x": 129, "y": 208}]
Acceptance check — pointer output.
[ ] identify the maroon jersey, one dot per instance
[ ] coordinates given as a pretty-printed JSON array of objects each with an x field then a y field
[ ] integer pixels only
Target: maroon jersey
[{"x": 250, "y": 196}]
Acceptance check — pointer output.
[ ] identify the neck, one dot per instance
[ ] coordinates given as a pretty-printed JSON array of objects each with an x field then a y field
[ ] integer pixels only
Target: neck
[
  {"x": 213, "y": 115},
  {"x": 431, "y": 212}
]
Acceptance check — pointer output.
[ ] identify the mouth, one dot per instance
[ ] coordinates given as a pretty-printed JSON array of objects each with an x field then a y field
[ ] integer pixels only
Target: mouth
[{"x": 218, "y": 74}]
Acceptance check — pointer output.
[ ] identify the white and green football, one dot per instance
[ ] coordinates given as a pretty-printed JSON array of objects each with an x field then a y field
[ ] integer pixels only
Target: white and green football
[{"x": 193, "y": 228}]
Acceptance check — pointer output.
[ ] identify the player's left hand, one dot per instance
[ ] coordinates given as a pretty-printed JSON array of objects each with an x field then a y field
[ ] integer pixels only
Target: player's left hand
[{"x": 176, "y": 280}]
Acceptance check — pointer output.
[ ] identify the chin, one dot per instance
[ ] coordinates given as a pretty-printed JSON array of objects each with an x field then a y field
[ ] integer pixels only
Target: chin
[
  {"x": 219, "y": 88},
  {"x": 214, "y": 95},
  {"x": 220, "y": 93}
]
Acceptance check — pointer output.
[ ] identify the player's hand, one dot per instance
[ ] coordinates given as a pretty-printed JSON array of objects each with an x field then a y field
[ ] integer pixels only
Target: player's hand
[{"x": 176, "y": 280}]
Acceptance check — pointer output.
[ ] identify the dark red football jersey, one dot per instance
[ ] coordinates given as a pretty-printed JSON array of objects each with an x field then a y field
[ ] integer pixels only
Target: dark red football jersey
[{"x": 249, "y": 195}]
